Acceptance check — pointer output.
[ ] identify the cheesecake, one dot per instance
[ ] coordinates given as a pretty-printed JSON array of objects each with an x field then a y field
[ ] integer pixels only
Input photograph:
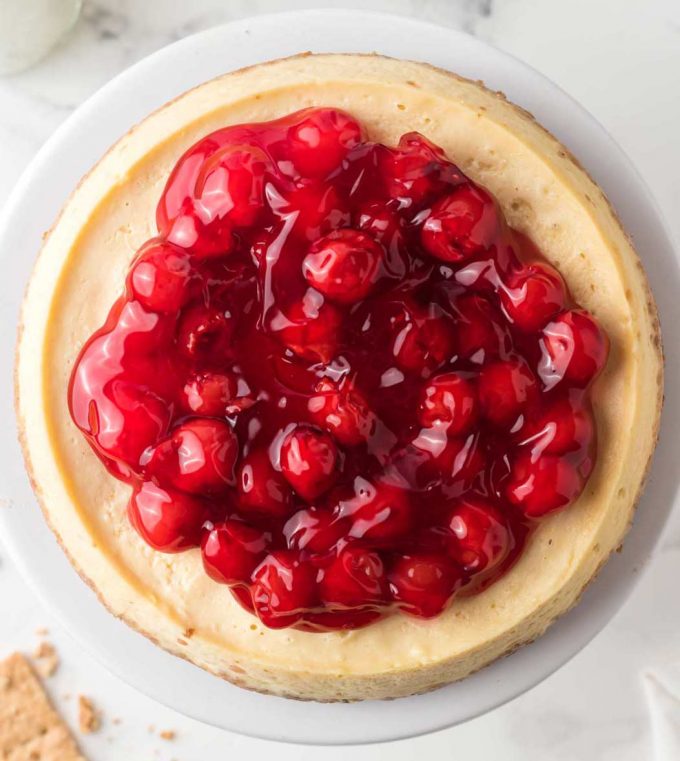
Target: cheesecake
[{"x": 339, "y": 377}]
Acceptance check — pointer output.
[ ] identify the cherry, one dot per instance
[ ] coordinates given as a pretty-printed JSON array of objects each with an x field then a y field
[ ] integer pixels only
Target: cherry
[
  {"x": 168, "y": 520},
  {"x": 205, "y": 332},
  {"x": 461, "y": 225},
  {"x": 479, "y": 334},
  {"x": 232, "y": 550},
  {"x": 506, "y": 388},
  {"x": 423, "y": 338},
  {"x": 417, "y": 170},
  {"x": 543, "y": 484},
  {"x": 198, "y": 457},
  {"x": 355, "y": 578},
  {"x": 160, "y": 276},
  {"x": 378, "y": 511},
  {"x": 207, "y": 393},
  {"x": 320, "y": 141},
  {"x": 189, "y": 232},
  {"x": 448, "y": 400},
  {"x": 574, "y": 350},
  {"x": 262, "y": 489},
  {"x": 386, "y": 227},
  {"x": 423, "y": 584},
  {"x": 315, "y": 530},
  {"x": 564, "y": 425},
  {"x": 309, "y": 461},
  {"x": 311, "y": 209},
  {"x": 342, "y": 410},
  {"x": 129, "y": 422},
  {"x": 478, "y": 537},
  {"x": 230, "y": 186},
  {"x": 343, "y": 265},
  {"x": 283, "y": 588},
  {"x": 533, "y": 296},
  {"x": 312, "y": 328},
  {"x": 433, "y": 459}
]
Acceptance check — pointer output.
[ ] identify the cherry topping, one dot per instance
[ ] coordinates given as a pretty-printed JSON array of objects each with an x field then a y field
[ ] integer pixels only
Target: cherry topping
[
  {"x": 534, "y": 295},
  {"x": 540, "y": 485},
  {"x": 423, "y": 338},
  {"x": 311, "y": 209},
  {"x": 320, "y": 141},
  {"x": 315, "y": 530},
  {"x": 168, "y": 520},
  {"x": 506, "y": 388},
  {"x": 197, "y": 457},
  {"x": 309, "y": 461},
  {"x": 478, "y": 536},
  {"x": 574, "y": 349},
  {"x": 343, "y": 265},
  {"x": 416, "y": 171},
  {"x": 160, "y": 276},
  {"x": 448, "y": 400},
  {"x": 205, "y": 333},
  {"x": 230, "y": 186},
  {"x": 388, "y": 229},
  {"x": 423, "y": 584},
  {"x": 479, "y": 335},
  {"x": 262, "y": 489},
  {"x": 377, "y": 511},
  {"x": 564, "y": 426},
  {"x": 232, "y": 550},
  {"x": 354, "y": 579},
  {"x": 341, "y": 409},
  {"x": 432, "y": 459},
  {"x": 311, "y": 328},
  {"x": 339, "y": 372},
  {"x": 188, "y": 231},
  {"x": 461, "y": 225},
  {"x": 283, "y": 588},
  {"x": 137, "y": 420},
  {"x": 207, "y": 393}
]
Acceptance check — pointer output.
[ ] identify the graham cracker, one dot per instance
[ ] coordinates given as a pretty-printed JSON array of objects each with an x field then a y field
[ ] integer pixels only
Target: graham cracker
[{"x": 30, "y": 728}]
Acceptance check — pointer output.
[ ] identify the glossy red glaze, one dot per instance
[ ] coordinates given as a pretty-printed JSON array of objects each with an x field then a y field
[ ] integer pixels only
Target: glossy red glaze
[
  {"x": 449, "y": 400},
  {"x": 232, "y": 550},
  {"x": 478, "y": 536},
  {"x": 343, "y": 265},
  {"x": 168, "y": 520},
  {"x": 339, "y": 372},
  {"x": 354, "y": 579},
  {"x": 423, "y": 584},
  {"x": 283, "y": 589},
  {"x": 309, "y": 461}
]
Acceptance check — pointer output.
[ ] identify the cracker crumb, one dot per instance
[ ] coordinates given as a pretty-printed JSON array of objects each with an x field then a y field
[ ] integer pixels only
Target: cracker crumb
[
  {"x": 116, "y": 720},
  {"x": 167, "y": 734},
  {"x": 42, "y": 631},
  {"x": 46, "y": 659},
  {"x": 89, "y": 718},
  {"x": 30, "y": 728}
]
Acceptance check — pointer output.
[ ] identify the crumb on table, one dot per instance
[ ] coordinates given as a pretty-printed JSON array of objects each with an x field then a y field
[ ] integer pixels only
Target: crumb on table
[{"x": 89, "y": 718}]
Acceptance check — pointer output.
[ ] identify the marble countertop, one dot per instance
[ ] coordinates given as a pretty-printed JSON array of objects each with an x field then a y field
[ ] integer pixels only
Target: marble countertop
[{"x": 621, "y": 60}]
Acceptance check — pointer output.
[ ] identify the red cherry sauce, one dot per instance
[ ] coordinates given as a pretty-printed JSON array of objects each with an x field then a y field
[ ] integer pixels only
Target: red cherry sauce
[{"x": 341, "y": 374}]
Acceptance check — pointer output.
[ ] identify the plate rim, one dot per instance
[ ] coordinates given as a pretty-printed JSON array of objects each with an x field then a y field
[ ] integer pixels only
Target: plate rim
[{"x": 401, "y": 728}]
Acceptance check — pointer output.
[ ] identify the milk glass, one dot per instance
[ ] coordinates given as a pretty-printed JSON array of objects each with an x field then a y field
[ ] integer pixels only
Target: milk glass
[{"x": 29, "y": 29}]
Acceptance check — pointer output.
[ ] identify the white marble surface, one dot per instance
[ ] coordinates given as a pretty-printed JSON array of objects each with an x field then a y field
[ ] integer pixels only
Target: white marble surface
[{"x": 621, "y": 59}]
